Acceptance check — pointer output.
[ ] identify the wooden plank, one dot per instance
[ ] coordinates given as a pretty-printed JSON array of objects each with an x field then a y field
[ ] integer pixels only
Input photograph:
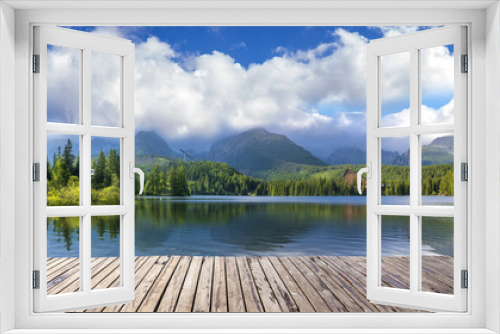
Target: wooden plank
[
  {"x": 52, "y": 266},
  {"x": 64, "y": 273},
  {"x": 51, "y": 261},
  {"x": 439, "y": 267},
  {"x": 169, "y": 299},
  {"x": 331, "y": 300},
  {"x": 346, "y": 284},
  {"x": 267, "y": 296},
  {"x": 61, "y": 268},
  {"x": 106, "y": 276},
  {"x": 204, "y": 291},
  {"x": 145, "y": 274},
  {"x": 357, "y": 278},
  {"x": 218, "y": 284},
  {"x": 234, "y": 293},
  {"x": 300, "y": 300},
  {"x": 138, "y": 263},
  {"x": 72, "y": 284},
  {"x": 284, "y": 297},
  {"x": 152, "y": 298},
  {"x": 219, "y": 292},
  {"x": 188, "y": 291},
  {"x": 358, "y": 265},
  {"x": 348, "y": 303},
  {"x": 250, "y": 293},
  {"x": 309, "y": 291},
  {"x": 396, "y": 272}
]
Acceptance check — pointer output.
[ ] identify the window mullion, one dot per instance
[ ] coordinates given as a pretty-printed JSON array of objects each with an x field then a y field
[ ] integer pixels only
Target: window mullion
[
  {"x": 414, "y": 172},
  {"x": 85, "y": 174}
]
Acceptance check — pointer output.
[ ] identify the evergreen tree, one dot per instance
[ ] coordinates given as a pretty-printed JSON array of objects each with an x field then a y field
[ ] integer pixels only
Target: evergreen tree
[{"x": 99, "y": 166}]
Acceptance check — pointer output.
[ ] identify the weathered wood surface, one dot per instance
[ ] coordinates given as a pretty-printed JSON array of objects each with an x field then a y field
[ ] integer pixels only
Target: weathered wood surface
[{"x": 250, "y": 284}]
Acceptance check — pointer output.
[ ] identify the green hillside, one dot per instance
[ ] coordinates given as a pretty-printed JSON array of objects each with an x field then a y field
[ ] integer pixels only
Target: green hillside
[{"x": 258, "y": 151}]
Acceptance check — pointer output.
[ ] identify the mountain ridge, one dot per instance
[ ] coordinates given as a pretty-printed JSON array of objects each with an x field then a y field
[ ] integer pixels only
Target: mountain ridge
[{"x": 257, "y": 150}]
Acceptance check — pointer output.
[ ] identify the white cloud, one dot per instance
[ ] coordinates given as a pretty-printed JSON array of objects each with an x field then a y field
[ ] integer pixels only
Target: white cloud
[
  {"x": 429, "y": 115},
  {"x": 216, "y": 95},
  {"x": 397, "y": 30}
]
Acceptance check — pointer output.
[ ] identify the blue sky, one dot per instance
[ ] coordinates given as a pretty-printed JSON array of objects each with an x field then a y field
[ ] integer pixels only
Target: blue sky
[
  {"x": 195, "y": 85},
  {"x": 247, "y": 45}
]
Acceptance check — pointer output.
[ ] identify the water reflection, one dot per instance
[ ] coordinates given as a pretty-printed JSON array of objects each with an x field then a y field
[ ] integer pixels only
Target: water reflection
[{"x": 250, "y": 226}]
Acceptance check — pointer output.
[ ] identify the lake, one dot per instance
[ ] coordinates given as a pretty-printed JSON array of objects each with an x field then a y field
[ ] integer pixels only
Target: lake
[{"x": 253, "y": 226}]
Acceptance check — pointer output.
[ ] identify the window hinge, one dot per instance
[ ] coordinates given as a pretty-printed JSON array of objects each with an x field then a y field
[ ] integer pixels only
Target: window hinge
[
  {"x": 465, "y": 279},
  {"x": 36, "y": 63},
  {"x": 465, "y": 64},
  {"x": 36, "y": 279},
  {"x": 464, "y": 169},
  {"x": 36, "y": 172}
]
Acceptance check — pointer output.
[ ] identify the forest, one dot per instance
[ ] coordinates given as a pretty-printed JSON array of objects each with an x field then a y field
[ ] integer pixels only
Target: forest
[
  {"x": 63, "y": 186},
  {"x": 180, "y": 178},
  {"x": 213, "y": 178}
]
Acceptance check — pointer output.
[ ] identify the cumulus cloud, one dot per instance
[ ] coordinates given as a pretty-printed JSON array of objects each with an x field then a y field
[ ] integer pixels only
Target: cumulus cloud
[
  {"x": 217, "y": 94},
  {"x": 315, "y": 96},
  {"x": 391, "y": 31},
  {"x": 428, "y": 115}
]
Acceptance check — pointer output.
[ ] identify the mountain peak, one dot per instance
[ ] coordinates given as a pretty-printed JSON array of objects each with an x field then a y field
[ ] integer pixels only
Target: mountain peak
[
  {"x": 257, "y": 150},
  {"x": 151, "y": 143}
]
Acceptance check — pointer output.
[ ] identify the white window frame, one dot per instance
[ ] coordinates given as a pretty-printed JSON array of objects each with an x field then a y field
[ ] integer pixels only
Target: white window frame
[
  {"x": 16, "y": 242},
  {"x": 87, "y": 44},
  {"x": 412, "y": 44}
]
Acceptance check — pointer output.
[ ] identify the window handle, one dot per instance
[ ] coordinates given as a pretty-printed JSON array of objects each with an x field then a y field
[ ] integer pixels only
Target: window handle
[
  {"x": 368, "y": 172},
  {"x": 139, "y": 171}
]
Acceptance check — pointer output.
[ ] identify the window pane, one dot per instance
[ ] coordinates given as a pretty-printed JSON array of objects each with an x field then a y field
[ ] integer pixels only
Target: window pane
[
  {"x": 63, "y": 170},
  {"x": 63, "y": 255},
  {"x": 63, "y": 84},
  {"x": 437, "y": 84},
  {"x": 395, "y": 89},
  {"x": 106, "y": 89},
  {"x": 395, "y": 269},
  {"x": 105, "y": 171},
  {"x": 437, "y": 254},
  {"x": 437, "y": 169},
  {"x": 105, "y": 243},
  {"x": 395, "y": 172}
]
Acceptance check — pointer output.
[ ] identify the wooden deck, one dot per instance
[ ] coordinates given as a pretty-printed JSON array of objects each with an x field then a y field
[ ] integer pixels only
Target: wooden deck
[{"x": 250, "y": 284}]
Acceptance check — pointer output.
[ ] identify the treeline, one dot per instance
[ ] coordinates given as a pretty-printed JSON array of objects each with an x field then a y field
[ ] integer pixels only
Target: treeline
[
  {"x": 212, "y": 178},
  {"x": 436, "y": 180},
  {"x": 63, "y": 186},
  {"x": 159, "y": 182}
]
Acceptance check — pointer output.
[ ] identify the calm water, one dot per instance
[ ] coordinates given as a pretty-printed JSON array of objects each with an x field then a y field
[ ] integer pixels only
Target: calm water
[{"x": 253, "y": 226}]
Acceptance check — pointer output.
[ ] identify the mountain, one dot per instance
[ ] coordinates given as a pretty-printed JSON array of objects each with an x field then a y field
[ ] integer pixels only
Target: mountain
[
  {"x": 105, "y": 144},
  {"x": 347, "y": 155},
  {"x": 257, "y": 150},
  {"x": 97, "y": 144},
  {"x": 388, "y": 157},
  {"x": 439, "y": 151},
  {"x": 149, "y": 143},
  {"x": 355, "y": 155},
  {"x": 446, "y": 143}
]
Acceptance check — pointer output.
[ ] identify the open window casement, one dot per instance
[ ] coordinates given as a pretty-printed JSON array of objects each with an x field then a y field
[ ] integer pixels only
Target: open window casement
[
  {"x": 51, "y": 64},
  {"x": 416, "y": 47}
]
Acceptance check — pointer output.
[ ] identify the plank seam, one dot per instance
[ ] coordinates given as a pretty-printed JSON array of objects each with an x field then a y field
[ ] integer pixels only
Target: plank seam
[{"x": 168, "y": 282}]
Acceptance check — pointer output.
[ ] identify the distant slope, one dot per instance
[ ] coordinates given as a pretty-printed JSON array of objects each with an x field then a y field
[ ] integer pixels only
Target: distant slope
[
  {"x": 105, "y": 144},
  {"x": 149, "y": 144},
  {"x": 438, "y": 152},
  {"x": 347, "y": 155},
  {"x": 258, "y": 150}
]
